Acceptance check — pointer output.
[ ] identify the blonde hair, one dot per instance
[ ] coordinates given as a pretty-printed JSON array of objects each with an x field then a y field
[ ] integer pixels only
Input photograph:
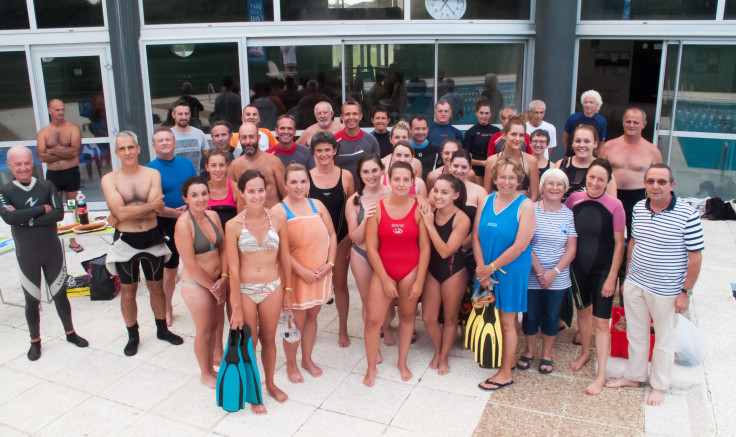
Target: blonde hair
[
  {"x": 515, "y": 165},
  {"x": 401, "y": 124},
  {"x": 292, "y": 168}
]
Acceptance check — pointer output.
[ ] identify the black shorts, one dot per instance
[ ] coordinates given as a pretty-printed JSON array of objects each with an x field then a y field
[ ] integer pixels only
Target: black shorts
[
  {"x": 152, "y": 266},
  {"x": 586, "y": 290},
  {"x": 167, "y": 225},
  {"x": 65, "y": 180}
]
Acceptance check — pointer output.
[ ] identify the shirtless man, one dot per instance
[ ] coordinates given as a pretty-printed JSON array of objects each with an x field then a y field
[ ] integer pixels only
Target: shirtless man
[
  {"x": 631, "y": 155},
  {"x": 58, "y": 146},
  {"x": 133, "y": 194},
  {"x": 255, "y": 159},
  {"x": 323, "y": 112}
]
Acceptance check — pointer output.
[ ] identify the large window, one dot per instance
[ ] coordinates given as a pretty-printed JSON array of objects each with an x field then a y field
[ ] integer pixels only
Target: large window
[
  {"x": 197, "y": 11},
  {"x": 648, "y": 9},
  {"x": 470, "y": 10},
  {"x": 68, "y": 13},
  {"x": 198, "y": 73},
  {"x": 13, "y": 15},
  {"x": 730, "y": 11},
  {"x": 289, "y": 79},
  {"x": 17, "y": 120},
  {"x": 294, "y": 10}
]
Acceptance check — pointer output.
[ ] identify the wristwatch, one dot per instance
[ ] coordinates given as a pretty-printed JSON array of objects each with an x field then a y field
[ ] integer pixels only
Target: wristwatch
[{"x": 687, "y": 292}]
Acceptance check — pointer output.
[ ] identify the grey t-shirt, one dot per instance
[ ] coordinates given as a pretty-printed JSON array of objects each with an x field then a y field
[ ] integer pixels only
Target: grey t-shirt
[{"x": 190, "y": 145}]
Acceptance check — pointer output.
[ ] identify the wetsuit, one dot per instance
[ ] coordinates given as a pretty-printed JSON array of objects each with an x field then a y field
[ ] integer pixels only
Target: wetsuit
[
  {"x": 398, "y": 243},
  {"x": 440, "y": 268},
  {"x": 334, "y": 200},
  {"x": 575, "y": 175},
  {"x": 476, "y": 144},
  {"x": 37, "y": 246}
]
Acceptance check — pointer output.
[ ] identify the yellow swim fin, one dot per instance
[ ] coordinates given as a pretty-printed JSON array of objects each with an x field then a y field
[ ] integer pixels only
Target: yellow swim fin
[{"x": 489, "y": 340}]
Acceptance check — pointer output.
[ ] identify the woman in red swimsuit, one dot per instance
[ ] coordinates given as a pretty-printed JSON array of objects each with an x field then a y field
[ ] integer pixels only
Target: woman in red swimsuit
[{"x": 398, "y": 248}]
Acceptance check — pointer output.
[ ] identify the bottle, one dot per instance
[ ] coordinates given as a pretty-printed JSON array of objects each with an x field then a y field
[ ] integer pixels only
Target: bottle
[{"x": 82, "y": 213}]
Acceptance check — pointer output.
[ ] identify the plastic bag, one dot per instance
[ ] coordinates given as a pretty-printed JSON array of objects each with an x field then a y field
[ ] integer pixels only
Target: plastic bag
[
  {"x": 690, "y": 343},
  {"x": 291, "y": 332}
]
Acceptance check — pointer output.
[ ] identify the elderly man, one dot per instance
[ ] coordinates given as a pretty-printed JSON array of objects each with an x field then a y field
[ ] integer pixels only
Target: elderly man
[
  {"x": 32, "y": 207},
  {"x": 133, "y": 194},
  {"x": 537, "y": 110},
  {"x": 665, "y": 254},
  {"x": 441, "y": 129},
  {"x": 254, "y": 158},
  {"x": 323, "y": 112},
  {"x": 265, "y": 137}
]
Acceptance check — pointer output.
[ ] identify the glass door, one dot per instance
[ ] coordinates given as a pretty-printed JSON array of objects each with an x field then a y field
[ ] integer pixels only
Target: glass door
[{"x": 81, "y": 77}]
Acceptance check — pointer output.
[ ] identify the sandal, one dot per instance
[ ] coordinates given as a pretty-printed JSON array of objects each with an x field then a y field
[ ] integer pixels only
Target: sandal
[
  {"x": 77, "y": 247},
  {"x": 546, "y": 363},
  {"x": 524, "y": 363},
  {"x": 493, "y": 385}
]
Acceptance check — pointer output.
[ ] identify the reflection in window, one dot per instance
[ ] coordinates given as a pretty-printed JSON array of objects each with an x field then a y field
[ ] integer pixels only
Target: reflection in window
[
  {"x": 68, "y": 13},
  {"x": 212, "y": 11},
  {"x": 397, "y": 76},
  {"x": 497, "y": 76},
  {"x": 17, "y": 120},
  {"x": 13, "y": 15},
  {"x": 703, "y": 167},
  {"x": 730, "y": 11},
  {"x": 470, "y": 10},
  {"x": 706, "y": 100},
  {"x": 209, "y": 71},
  {"x": 94, "y": 162},
  {"x": 296, "y": 10},
  {"x": 668, "y": 93},
  {"x": 648, "y": 10},
  {"x": 292, "y": 80}
]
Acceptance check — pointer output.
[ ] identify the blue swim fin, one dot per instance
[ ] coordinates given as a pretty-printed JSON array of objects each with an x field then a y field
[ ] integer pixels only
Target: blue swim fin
[
  {"x": 229, "y": 390},
  {"x": 252, "y": 378}
]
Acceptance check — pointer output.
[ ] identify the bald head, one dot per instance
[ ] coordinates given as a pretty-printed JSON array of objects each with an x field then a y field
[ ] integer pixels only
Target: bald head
[
  {"x": 20, "y": 162},
  {"x": 55, "y": 102},
  {"x": 18, "y": 152},
  {"x": 248, "y": 137}
]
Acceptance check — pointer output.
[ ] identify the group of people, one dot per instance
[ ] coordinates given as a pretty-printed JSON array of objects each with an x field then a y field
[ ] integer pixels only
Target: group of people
[{"x": 418, "y": 214}]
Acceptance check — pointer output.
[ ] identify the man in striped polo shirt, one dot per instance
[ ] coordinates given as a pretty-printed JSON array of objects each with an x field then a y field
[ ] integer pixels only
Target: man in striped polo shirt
[{"x": 665, "y": 254}]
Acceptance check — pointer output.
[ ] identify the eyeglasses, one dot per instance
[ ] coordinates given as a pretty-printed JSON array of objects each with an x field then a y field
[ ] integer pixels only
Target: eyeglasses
[{"x": 657, "y": 181}]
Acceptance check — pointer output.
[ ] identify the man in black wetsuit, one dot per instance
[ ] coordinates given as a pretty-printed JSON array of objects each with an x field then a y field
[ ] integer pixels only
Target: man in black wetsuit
[{"x": 32, "y": 207}]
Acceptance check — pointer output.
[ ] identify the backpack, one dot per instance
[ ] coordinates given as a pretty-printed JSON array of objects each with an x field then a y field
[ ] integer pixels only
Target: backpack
[{"x": 717, "y": 209}]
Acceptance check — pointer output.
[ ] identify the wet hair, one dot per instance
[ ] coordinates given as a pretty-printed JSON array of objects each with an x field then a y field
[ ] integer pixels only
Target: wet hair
[
  {"x": 291, "y": 168},
  {"x": 247, "y": 177},
  {"x": 462, "y": 154},
  {"x": 481, "y": 103},
  {"x": 321, "y": 137},
  {"x": 515, "y": 120},
  {"x": 456, "y": 185},
  {"x": 400, "y": 164},
  {"x": 401, "y": 125},
  {"x": 217, "y": 152},
  {"x": 540, "y": 133},
  {"x": 194, "y": 180},
  {"x": 660, "y": 165},
  {"x": 588, "y": 128},
  {"x": 222, "y": 123},
  {"x": 404, "y": 143},
  {"x": 514, "y": 163},
  {"x": 603, "y": 162},
  {"x": 554, "y": 173},
  {"x": 361, "y": 161},
  {"x": 448, "y": 141}
]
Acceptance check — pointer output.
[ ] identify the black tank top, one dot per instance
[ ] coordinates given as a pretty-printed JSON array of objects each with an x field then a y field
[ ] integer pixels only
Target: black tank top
[
  {"x": 575, "y": 175},
  {"x": 334, "y": 200},
  {"x": 545, "y": 168}
]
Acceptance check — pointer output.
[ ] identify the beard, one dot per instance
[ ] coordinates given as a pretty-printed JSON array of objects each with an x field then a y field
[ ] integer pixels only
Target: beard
[{"x": 250, "y": 149}]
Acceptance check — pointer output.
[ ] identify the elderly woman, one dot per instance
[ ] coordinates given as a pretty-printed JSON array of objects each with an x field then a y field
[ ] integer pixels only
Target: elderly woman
[
  {"x": 592, "y": 102},
  {"x": 514, "y": 132},
  {"x": 539, "y": 140},
  {"x": 501, "y": 237},
  {"x": 600, "y": 222},
  {"x": 553, "y": 249}
]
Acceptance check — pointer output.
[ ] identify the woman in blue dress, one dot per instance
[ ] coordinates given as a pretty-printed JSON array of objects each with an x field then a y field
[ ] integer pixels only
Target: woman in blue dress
[{"x": 501, "y": 237}]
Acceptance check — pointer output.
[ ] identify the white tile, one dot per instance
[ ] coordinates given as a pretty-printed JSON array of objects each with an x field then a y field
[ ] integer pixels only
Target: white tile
[
  {"x": 281, "y": 420},
  {"x": 39, "y": 406},
  {"x": 145, "y": 386},
  {"x": 313, "y": 391},
  {"x": 15, "y": 343},
  {"x": 179, "y": 358},
  {"x": 101, "y": 331},
  {"x": 417, "y": 360},
  {"x": 377, "y": 404},
  {"x": 148, "y": 348},
  {"x": 13, "y": 383},
  {"x": 13, "y": 315},
  {"x": 10, "y": 432},
  {"x": 355, "y": 324},
  {"x": 432, "y": 412},
  {"x": 327, "y": 353},
  {"x": 94, "y": 417},
  {"x": 95, "y": 372},
  {"x": 55, "y": 356},
  {"x": 393, "y": 431},
  {"x": 326, "y": 424},
  {"x": 464, "y": 376},
  {"x": 193, "y": 404},
  {"x": 152, "y": 425}
]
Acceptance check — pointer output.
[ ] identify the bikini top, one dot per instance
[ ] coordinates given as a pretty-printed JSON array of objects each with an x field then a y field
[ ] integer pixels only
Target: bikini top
[
  {"x": 202, "y": 244},
  {"x": 247, "y": 242}
]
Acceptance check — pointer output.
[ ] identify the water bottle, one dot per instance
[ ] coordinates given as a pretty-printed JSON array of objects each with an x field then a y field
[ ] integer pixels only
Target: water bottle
[{"x": 82, "y": 213}]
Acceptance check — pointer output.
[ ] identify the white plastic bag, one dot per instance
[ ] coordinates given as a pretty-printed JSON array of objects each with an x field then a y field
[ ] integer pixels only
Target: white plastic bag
[{"x": 690, "y": 343}]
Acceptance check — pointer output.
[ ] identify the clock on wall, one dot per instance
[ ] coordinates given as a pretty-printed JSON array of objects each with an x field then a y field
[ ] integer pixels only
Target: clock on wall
[{"x": 445, "y": 9}]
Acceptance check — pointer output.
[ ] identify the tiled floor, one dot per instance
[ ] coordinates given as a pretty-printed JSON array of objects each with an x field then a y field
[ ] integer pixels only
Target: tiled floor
[{"x": 98, "y": 391}]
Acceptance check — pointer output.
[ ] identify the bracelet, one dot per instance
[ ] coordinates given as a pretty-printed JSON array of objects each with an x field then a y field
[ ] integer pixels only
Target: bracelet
[
  {"x": 493, "y": 266},
  {"x": 557, "y": 270},
  {"x": 331, "y": 263},
  {"x": 500, "y": 270},
  {"x": 225, "y": 275},
  {"x": 289, "y": 289}
]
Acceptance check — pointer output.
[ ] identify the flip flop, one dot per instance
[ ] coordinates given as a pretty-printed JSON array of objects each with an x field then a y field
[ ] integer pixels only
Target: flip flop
[
  {"x": 524, "y": 363},
  {"x": 497, "y": 385},
  {"x": 77, "y": 247},
  {"x": 547, "y": 363}
]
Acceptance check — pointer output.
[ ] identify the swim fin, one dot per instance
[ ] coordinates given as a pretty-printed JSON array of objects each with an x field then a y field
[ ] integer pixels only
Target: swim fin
[
  {"x": 252, "y": 378},
  {"x": 471, "y": 326},
  {"x": 489, "y": 341},
  {"x": 230, "y": 389}
]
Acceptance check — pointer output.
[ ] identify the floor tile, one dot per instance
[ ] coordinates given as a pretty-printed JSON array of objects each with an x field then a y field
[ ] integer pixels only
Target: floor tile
[
  {"x": 39, "y": 406},
  {"x": 562, "y": 356},
  {"x": 13, "y": 383},
  {"x": 327, "y": 424},
  {"x": 281, "y": 420},
  {"x": 56, "y": 355},
  {"x": 95, "y": 372},
  {"x": 501, "y": 420},
  {"x": 94, "y": 417},
  {"x": 145, "y": 386},
  {"x": 179, "y": 358},
  {"x": 531, "y": 390},
  {"x": 148, "y": 348},
  {"x": 326, "y": 353},
  {"x": 355, "y": 324},
  {"x": 152, "y": 425},
  {"x": 395, "y": 431},
  {"x": 10, "y": 432},
  {"x": 313, "y": 391},
  {"x": 618, "y": 407},
  {"x": 575, "y": 428},
  {"x": 464, "y": 376},
  {"x": 193, "y": 404},
  {"x": 15, "y": 343},
  {"x": 417, "y": 360},
  {"x": 451, "y": 414},
  {"x": 355, "y": 399}
]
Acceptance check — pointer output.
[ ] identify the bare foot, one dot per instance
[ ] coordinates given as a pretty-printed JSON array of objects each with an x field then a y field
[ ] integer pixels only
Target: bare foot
[
  {"x": 210, "y": 380},
  {"x": 258, "y": 409},
  {"x": 435, "y": 361},
  {"x": 295, "y": 376},
  {"x": 656, "y": 397},
  {"x": 277, "y": 393},
  {"x": 343, "y": 340},
  {"x": 596, "y": 387},
  {"x": 370, "y": 376},
  {"x": 443, "y": 368},
  {"x": 405, "y": 372},
  {"x": 379, "y": 358},
  {"x": 312, "y": 368},
  {"x": 169, "y": 315},
  {"x": 388, "y": 337},
  {"x": 579, "y": 362},
  {"x": 217, "y": 358},
  {"x": 622, "y": 382}
]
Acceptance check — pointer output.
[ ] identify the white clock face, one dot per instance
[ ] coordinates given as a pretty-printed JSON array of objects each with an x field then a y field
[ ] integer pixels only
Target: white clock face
[{"x": 445, "y": 9}]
